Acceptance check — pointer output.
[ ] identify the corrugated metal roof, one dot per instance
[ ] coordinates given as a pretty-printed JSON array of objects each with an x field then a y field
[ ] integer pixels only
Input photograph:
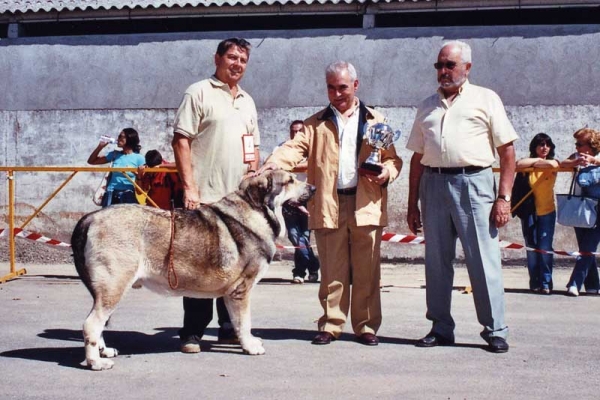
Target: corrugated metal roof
[{"x": 71, "y": 5}]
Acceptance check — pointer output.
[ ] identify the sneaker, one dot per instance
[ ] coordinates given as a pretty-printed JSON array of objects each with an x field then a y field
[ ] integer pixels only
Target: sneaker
[
  {"x": 545, "y": 291},
  {"x": 298, "y": 280},
  {"x": 591, "y": 291},
  {"x": 312, "y": 278},
  {"x": 191, "y": 345},
  {"x": 572, "y": 291},
  {"x": 227, "y": 335}
]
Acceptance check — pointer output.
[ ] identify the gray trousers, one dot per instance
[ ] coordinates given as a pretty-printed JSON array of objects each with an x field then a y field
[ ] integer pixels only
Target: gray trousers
[{"x": 459, "y": 206}]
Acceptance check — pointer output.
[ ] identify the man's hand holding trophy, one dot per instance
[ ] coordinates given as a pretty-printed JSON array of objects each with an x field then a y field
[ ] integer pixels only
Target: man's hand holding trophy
[{"x": 378, "y": 136}]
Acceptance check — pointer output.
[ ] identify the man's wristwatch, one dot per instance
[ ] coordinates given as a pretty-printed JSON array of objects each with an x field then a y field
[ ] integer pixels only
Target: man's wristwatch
[{"x": 505, "y": 197}]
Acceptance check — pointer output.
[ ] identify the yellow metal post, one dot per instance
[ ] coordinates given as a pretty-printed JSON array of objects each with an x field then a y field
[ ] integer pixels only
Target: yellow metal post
[{"x": 11, "y": 229}]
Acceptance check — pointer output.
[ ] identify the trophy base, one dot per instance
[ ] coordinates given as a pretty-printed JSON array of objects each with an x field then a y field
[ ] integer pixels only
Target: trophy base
[{"x": 369, "y": 169}]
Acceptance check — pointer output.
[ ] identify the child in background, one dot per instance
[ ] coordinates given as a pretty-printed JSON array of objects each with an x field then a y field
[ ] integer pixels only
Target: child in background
[{"x": 164, "y": 188}]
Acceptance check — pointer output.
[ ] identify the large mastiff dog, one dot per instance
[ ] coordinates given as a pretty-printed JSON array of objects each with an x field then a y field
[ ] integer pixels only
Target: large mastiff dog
[{"x": 222, "y": 249}]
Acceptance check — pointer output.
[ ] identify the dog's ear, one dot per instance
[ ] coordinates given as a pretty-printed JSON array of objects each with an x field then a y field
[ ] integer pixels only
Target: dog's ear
[
  {"x": 257, "y": 189},
  {"x": 264, "y": 188},
  {"x": 276, "y": 187}
]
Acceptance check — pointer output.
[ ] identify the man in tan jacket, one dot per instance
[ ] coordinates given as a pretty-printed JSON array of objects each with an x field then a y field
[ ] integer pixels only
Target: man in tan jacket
[{"x": 348, "y": 211}]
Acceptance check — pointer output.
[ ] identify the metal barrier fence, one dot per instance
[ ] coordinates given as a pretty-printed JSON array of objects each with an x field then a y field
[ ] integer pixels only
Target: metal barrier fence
[
  {"x": 10, "y": 172},
  {"x": 11, "y": 177}
]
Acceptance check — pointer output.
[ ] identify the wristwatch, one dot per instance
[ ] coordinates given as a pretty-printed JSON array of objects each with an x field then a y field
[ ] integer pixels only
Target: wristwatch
[{"x": 505, "y": 197}]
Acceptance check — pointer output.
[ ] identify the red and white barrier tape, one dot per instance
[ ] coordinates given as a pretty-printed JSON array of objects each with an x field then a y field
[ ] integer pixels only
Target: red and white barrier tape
[
  {"x": 386, "y": 237},
  {"x": 411, "y": 239},
  {"x": 395, "y": 238},
  {"x": 35, "y": 237}
]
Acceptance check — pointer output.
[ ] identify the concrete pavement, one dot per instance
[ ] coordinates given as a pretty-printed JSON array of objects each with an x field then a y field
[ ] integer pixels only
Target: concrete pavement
[{"x": 554, "y": 348}]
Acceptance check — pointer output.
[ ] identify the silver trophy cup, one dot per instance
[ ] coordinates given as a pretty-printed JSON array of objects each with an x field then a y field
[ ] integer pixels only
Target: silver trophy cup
[{"x": 379, "y": 136}]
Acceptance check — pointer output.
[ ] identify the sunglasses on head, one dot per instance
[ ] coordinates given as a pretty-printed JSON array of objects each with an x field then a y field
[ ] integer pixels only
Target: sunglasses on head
[{"x": 448, "y": 64}]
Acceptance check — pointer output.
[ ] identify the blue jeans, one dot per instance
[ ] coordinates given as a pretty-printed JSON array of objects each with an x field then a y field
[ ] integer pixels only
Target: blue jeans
[
  {"x": 299, "y": 235},
  {"x": 118, "y": 197},
  {"x": 586, "y": 270},
  {"x": 538, "y": 232}
]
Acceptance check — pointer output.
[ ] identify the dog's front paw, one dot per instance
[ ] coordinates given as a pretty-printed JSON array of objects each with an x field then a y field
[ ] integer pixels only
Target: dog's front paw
[
  {"x": 253, "y": 346},
  {"x": 100, "y": 364},
  {"x": 109, "y": 352}
]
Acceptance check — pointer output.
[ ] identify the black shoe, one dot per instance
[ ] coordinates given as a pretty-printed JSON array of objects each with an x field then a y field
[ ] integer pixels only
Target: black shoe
[
  {"x": 227, "y": 336},
  {"x": 497, "y": 345},
  {"x": 433, "y": 339},
  {"x": 323, "y": 338}
]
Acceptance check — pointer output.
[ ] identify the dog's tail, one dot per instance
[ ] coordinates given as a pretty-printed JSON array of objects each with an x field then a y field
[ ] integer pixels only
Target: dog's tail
[{"x": 78, "y": 242}]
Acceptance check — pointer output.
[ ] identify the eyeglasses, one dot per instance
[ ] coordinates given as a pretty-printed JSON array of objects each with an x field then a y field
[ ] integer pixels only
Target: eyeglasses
[
  {"x": 448, "y": 64},
  {"x": 579, "y": 144}
]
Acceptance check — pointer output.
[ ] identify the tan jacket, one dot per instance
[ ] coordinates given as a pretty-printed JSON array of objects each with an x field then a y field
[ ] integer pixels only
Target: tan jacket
[{"x": 319, "y": 143}]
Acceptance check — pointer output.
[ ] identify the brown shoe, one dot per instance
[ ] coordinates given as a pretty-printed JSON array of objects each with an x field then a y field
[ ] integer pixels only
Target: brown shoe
[
  {"x": 323, "y": 338},
  {"x": 368, "y": 339}
]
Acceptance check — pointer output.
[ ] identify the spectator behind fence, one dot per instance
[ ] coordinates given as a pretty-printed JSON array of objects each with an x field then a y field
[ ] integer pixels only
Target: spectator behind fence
[
  {"x": 296, "y": 223},
  {"x": 119, "y": 188},
  {"x": 164, "y": 188},
  {"x": 455, "y": 137},
  {"x": 538, "y": 226},
  {"x": 348, "y": 211},
  {"x": 585, "y": 272}
]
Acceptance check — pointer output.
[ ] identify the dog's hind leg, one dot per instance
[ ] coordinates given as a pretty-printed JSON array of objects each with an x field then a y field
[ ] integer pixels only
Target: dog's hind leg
[
  {"x": 239, "y": 311},
  {"x": 95, "y": 348}
]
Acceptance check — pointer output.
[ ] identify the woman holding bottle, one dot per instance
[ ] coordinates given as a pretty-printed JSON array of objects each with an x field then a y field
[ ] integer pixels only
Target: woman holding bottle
[{"x": 119, "y": 188}]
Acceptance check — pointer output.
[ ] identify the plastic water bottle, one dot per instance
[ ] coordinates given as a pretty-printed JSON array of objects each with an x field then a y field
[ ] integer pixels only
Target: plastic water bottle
[{"x": 107, "y": 139}]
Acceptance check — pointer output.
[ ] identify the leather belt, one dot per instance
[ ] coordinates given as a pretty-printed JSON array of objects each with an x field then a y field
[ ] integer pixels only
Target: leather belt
[
  {"x": 347, "y": 191},
  {"x": 456, "y": 170}
]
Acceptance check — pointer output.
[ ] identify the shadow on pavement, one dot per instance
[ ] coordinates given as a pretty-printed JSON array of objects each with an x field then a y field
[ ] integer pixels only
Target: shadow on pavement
[
  {"x": 64, "y": 356},
  {"x": 127, "y": 342}
]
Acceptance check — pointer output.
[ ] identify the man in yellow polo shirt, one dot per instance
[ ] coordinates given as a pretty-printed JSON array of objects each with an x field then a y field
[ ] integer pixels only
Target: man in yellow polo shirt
[{"x": 215, "y": 142}]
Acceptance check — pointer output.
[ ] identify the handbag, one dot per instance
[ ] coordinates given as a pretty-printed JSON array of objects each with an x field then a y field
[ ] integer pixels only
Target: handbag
[
  {"x": 522, "y": 196},
  {"x": 576, "y": 211},
  {"x": 99, "y": 193}
]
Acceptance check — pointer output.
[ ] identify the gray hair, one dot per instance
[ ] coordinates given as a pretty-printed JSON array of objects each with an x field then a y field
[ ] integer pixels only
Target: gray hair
[
  {"x": 338, "y": 66},
  {"x": 465, "y": 49}
]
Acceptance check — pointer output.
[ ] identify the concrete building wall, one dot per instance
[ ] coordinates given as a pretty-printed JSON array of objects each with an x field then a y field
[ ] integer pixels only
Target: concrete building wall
[{"x": 60, "y": 94}]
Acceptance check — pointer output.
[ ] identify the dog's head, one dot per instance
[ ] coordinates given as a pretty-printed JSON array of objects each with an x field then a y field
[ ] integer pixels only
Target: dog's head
[
  {"x": 274, "y": 188},
  {"x": 271, "y": 190}
]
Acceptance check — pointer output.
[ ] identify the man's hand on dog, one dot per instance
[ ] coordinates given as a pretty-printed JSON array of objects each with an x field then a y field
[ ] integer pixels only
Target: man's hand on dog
[
  {"x": 270, "y": 166},
  {"x": 191, "y": 199}
]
